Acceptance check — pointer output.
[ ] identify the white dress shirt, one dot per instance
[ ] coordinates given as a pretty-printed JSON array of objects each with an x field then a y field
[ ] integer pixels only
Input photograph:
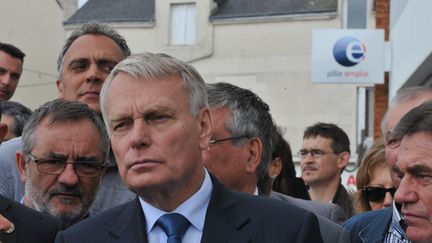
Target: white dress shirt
[{"x": 194, "y": 209}]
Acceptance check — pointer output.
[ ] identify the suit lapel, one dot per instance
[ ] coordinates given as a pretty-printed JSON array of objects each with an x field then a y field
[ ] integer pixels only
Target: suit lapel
[
  {"x": 4, "y": 203},
  {"x": 5, "y": 206},
  {"x": 130, "y": 226},
  {"x": 225, "y": 220}
]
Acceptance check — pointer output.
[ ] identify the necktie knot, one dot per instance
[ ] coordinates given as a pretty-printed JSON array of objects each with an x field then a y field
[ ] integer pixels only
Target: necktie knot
[{"x": 174, "y": 225}]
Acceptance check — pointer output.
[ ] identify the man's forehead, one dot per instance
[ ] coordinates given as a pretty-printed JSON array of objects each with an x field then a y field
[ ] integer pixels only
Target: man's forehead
[
  {"x": 398, "y": 110},
  {"x": 90, "y": 45},
  {"x": 415, "y": 148},
  {"x": 10, "y": 61}
]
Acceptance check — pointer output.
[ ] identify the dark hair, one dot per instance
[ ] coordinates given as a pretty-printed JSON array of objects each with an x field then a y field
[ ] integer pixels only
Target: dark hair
[
  {"x": 340, "y": 141},
  {"x": 286, "y": 182},
  {"x": 18, "y": 112},
  {"x": 93, "y": 28},
  {"x": 12, "y": 51},
  {"x": 58, "y": 111},
  {"x": 418, "y": 119}
]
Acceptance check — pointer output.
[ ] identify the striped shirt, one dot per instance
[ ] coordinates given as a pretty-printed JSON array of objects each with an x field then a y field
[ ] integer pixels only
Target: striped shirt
[{"x": 395, "y": 233}]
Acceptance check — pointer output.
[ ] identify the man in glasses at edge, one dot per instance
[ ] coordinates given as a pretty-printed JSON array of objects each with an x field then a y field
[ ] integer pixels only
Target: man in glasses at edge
[
  {"x": 386, "y": 225},
  {"x": 324, "y": 155}
]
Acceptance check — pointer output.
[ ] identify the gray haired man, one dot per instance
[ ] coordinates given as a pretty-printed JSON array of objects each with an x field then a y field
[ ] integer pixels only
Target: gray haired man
[{"x": 64, "y": 155}]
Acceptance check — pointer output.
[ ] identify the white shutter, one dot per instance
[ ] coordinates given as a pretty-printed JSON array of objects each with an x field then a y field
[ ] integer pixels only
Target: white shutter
[{"x": 183, "y": 24}]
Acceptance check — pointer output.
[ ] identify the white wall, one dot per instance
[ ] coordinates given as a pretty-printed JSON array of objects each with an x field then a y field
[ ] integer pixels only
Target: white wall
[
  {"x": 411, "y": 43},
  {"x": 36, "y": 29}
]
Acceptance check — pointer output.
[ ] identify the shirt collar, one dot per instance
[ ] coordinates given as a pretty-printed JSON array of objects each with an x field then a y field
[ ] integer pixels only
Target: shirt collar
[{"x": 194, "y": 208}]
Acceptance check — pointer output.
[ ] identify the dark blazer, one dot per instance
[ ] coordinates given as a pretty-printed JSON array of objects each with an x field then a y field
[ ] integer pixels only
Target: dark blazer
[
  {"x": 331, "y": 232},
  {"x": 31, "y": 226},
  {"x": 331, "y": 211},
  {"x": 370, "y": 227},
  {"x": 231, "y": 217}
]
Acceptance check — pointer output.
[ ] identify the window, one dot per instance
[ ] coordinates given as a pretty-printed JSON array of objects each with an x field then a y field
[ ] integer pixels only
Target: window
[
  {"x": 183, "y": 24},
  {"x": 81, "y": 3}
]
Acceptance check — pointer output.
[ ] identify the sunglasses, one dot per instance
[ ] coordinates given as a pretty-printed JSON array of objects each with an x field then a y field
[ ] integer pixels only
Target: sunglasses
[{"x": 377, "y": 194}]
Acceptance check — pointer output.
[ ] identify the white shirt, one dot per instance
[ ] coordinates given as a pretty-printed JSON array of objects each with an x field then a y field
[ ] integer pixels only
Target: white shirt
[{"x": 194, "y": 209}]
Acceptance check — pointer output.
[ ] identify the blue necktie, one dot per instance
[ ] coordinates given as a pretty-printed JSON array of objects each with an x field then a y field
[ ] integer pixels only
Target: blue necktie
[{"x": 174, "y": 225}]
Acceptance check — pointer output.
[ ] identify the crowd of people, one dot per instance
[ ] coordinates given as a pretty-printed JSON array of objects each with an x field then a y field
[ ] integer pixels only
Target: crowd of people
[{"x": 139, "y": 148}]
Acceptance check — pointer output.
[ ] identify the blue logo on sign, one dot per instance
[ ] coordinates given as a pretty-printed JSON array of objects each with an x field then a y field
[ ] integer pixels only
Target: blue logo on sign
[{"x": 348, "y": 51}]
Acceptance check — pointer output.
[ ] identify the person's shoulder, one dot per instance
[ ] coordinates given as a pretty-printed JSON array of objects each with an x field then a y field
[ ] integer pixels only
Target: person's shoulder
[
  {"x": 12, "y": 144},
  {"x": 9, "y": 148},
  {"x": 328, "y": 210},
  {"x": 109, "y": 215},
  {"x": 262, "y": 206},
  {"x": 34, "y": 221},
  {"x": 363, "y": 219},
  {"x": 105, "y": 223}
]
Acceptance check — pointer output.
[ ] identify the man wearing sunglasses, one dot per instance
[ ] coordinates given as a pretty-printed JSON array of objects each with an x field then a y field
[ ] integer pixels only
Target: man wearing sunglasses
[
  {"x": 64, "y": 157},
  {"x": 324, "y": 154},
  {"x": 386, "y": 225}
]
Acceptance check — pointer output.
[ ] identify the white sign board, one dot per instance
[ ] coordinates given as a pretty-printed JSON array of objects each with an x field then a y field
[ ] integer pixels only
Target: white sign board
[{"x": 348, "y": 56}]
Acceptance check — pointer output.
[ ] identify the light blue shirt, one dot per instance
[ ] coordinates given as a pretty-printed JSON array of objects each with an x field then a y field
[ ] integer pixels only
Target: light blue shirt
[{"x": 194, "y": 209}]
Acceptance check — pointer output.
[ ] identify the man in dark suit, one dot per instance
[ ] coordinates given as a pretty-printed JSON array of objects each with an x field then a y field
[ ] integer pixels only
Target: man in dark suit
[
  {"x": 155, "y": 108},
  {"x": 240, "y": 151},
  {"x": 25, "y": 224}
]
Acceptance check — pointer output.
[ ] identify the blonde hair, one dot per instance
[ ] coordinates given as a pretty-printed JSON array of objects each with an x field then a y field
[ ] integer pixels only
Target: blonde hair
[{"x": 374, "y": 157}]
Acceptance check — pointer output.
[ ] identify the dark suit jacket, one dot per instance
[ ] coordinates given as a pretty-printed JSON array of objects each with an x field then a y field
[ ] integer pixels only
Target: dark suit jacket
[
  {"x": 328, "y": 210},
  {"x": 331, "y": 232},
  {"x": 31, "y": 226},
  {"x": 231, "y": 217}
]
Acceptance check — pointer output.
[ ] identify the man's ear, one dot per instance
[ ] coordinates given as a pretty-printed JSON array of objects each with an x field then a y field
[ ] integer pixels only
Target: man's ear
[
  {"x": 3, "y": 131},
  {"x": 21, "y": 166},
  {"x": 275, "y": 167},
  {"x": 59, "y": 85},
  {"x": 255, "y": 148},
  {"x": 343, "y": 160},
  {"x": 205, "y": 126}
]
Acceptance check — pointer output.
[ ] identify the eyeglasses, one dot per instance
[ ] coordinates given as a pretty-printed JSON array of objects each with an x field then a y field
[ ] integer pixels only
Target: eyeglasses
[
  {"x": 217, "y": 141},
  {"x": 377, "y": 194},
  {"x": 52, "y": 166},
  {"x": 315, "y": 153}
]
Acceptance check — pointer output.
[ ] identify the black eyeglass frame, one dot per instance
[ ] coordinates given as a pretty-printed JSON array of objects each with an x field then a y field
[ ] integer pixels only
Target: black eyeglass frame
[
  {"x": 39, "y": 161},
  {"x": 217, "y": 141},
  {"x": 377, "y": 194},
  {"x": 315, "y": 153}
]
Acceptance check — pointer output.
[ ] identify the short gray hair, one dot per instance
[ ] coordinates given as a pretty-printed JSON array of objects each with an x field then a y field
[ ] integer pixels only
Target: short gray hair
[
  {"x": 92, "y": 28},
  {"x": 58, "y": 111},
  {"x": 155, "y": 66},
  {"x": 250, "y": 116},
  {"x": 403, "y": 95}
]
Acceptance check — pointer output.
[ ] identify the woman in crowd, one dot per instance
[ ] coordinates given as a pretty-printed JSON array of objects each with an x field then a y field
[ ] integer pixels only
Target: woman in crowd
[
  {"x": 375, "y": 188},
  {"x": 282, "y": 169}
]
